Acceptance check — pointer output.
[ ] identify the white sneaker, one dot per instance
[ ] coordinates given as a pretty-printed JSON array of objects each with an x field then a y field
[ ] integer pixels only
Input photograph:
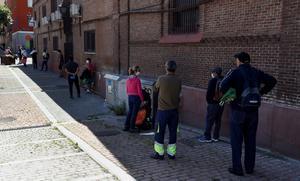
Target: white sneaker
[{"x": 215, "y": 140}]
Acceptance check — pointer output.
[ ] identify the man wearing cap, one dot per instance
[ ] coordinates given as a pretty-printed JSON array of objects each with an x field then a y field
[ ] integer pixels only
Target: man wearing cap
[
  {"x": 214, "y": 110},
  {"x": 246, "y": 80},
  {"x": 169, "y": 88}
]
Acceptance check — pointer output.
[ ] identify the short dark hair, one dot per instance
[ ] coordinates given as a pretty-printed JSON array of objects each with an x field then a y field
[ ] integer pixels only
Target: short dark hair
[
  {"x": 217, "y": 70},
  {"x": 171, "y": 66},
  {"x": 89, "y": 59},
  {"x": 243, "y": 57}
]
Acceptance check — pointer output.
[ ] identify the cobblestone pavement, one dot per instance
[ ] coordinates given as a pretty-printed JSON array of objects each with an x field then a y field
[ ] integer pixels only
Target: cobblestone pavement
[
  {"x": 195, "y": 161},
  {"x": 31, "y": 149}
]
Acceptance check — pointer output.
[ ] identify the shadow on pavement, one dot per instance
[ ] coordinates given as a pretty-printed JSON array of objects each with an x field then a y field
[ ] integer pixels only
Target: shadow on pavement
[{"x": 195, "y": 161}]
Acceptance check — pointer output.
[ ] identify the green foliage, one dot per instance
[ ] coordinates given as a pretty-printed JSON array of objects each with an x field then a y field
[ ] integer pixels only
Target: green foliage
[
  {"x": 119, "y": 110},
  {"x": 5, "y": 16}
]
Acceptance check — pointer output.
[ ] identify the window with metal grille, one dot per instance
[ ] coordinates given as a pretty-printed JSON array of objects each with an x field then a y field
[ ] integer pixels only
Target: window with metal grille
[
  {"x": 44, "y": 11},
  {"x": 89, "y": 41},
  {"x": 55, "y": 43},
  {"x": 45, "y": 43},
  {"x": 53, "y": 5},
  {"x": 183, "y": 16}
]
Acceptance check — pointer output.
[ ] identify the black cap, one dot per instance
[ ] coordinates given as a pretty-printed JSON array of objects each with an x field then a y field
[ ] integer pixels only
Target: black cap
[
  {"x": 243, "y": 57},
  {"x": 217, "y": 70},
  {"x": 171, "y": 65}
]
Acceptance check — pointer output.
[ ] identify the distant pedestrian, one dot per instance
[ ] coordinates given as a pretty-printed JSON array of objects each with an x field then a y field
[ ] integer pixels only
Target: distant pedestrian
[
  {"x": 246, "y": 80},
  {"x": 20, "y": 54},
  {"x": 61, "y": 63},
  {"x": 88, "y": 75},
  {"x": 45, "y": 56},
  {"x": 214, "y": 110},
  {"x": 72, "y": 69},
  {"x": 135, "y": 98},
  {"x": 33, "y": 54},
  {"x": 24, "y": 57},
  {"x": 169, "y": 88}
]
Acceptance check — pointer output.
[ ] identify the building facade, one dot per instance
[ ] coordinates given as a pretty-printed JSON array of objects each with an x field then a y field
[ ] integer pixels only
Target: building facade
[
  {"x": 21, "y": 31},
  {"x": 198, "y": 34}
]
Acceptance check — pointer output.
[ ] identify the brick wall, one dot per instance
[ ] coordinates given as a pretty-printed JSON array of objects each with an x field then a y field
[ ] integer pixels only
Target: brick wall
[{"x": 228, "y": 27}]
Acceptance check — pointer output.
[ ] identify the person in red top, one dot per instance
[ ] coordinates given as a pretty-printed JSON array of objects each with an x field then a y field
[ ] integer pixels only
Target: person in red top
[{"x": 135, "y": 98}]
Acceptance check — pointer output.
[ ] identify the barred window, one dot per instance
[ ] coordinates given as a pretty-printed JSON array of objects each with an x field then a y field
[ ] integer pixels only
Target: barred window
[
  {"x": 45, "y": 43},
  {"x": 53, "y": 5},
  {"x": 55, "y": 43},
  {"x": 183, "y": 16},
  {"x": 89, "y": 41}
]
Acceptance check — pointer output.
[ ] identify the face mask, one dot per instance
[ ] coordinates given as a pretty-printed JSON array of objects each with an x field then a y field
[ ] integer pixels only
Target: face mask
[
  {"x": 87, "y": 62},
  {"x": 138, "y": 73},
  {"x": 212, "y": 76}
]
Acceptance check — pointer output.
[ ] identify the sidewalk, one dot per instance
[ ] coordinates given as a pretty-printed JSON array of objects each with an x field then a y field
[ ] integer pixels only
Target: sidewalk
[{"x": 102, "y": 130}]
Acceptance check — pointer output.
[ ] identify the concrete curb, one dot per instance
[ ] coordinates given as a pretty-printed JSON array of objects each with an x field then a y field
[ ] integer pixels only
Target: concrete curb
[{"x": 94, "y": 154}]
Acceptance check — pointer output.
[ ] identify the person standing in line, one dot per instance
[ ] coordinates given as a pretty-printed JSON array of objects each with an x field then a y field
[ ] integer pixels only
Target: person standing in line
[
  {"x": 20, "y": 54},
  {"x": 33, "y": 54},
  {"x": 169, "y": 88},
  {"x": 214, "y": 110},
  {"x": 135, "y": 98},
  {"x": 61, "y": 64},
  {"x": 45, "y": 56},
  {"x": 24, "y": 57},
  {"x": 246, "y": 80},
  {"x": 72, "y": 69}
]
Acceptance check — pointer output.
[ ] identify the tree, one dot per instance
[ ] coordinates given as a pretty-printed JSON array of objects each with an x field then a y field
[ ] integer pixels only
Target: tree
[{"x": 5, "y": 18}]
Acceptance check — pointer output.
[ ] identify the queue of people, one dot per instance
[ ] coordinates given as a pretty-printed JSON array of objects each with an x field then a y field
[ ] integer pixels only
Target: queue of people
[{"x": 241, "y": 87}]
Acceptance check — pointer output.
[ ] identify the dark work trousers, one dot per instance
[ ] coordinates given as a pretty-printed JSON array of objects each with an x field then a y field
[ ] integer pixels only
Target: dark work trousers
[
  {"x": 34, "y": 62},
  {"x": 71, "y": 81},
  {"x": 134, "y": 106},
  {"x": 213, "y": 117},
  {"x": 45, "y": 63},
  {"x": 243, "y": 126},
  {"x": 164, "y": 118}
]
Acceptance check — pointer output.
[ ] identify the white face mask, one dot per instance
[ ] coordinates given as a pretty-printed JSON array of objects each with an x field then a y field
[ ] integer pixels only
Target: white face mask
[
  {"x": 138, "y": 73},
  {"x": 212, "y": 76},
  {"x": 87, "y": 62}
]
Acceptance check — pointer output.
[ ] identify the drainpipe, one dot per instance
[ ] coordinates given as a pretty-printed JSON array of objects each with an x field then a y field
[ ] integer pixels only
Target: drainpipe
[
  {"x": 119, "y": 39},
  {"x": 128, "y": 29}
]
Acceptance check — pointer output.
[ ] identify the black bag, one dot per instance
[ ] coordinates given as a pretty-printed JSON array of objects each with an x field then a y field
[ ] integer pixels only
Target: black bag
[
  {"x": 218, "y": 94},
  {"x": 250, "y": 97}
]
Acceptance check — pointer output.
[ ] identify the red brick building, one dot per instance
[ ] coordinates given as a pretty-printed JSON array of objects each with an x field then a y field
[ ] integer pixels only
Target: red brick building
[
  {"x": 198, "y": 34},
  {"x": 21, "y": 12}
]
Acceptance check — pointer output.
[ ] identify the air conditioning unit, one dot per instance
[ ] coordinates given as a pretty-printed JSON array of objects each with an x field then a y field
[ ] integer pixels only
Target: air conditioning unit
[
  {"x": 32, "y": 23},
  {"x": 53, "y": 18},
  {"x": 58, "y": 15},
  {"x": 45, "y": 20},
  {"x": 75, "y": 10}
]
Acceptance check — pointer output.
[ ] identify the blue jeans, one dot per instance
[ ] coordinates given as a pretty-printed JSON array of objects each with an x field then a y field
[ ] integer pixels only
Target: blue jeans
[
  {"x": 213, "y": 117},
  {"x": 164, "y": 118},
  {"x": 243, "y": 126},
  {"x": 134, "y": 106}
]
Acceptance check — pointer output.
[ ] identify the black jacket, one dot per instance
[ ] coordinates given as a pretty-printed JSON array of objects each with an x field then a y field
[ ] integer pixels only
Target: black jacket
[
  {"x": 211, "y": 90},
  {"x": 235, "y": 79}
]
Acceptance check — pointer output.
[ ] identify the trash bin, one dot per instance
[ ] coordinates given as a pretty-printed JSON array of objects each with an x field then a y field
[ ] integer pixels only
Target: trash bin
[
  {"x": 7, "y": 60},
  {"x": 148, "y": 88}
]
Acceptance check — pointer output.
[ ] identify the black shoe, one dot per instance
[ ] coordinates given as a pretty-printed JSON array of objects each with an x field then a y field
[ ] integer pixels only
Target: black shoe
[
  {"x": 249, "y": 172},
  {"x": 171, "y": 157},
  {"x": 156, "y": 156},
  {"x": 78, "y": 96},
  {"x": 125, "y": 129},
  {"x": 71, "y": 97},
  {"x": 232, "y": 171},
  {"x": 133, "y": 130}
]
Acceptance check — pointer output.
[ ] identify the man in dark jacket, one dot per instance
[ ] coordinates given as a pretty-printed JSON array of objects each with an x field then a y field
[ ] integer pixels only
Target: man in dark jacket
[
  {"x": 72, "y": 70},
  {"x": 246, "y": 80},
  {"x": 214, "y": 110}
]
